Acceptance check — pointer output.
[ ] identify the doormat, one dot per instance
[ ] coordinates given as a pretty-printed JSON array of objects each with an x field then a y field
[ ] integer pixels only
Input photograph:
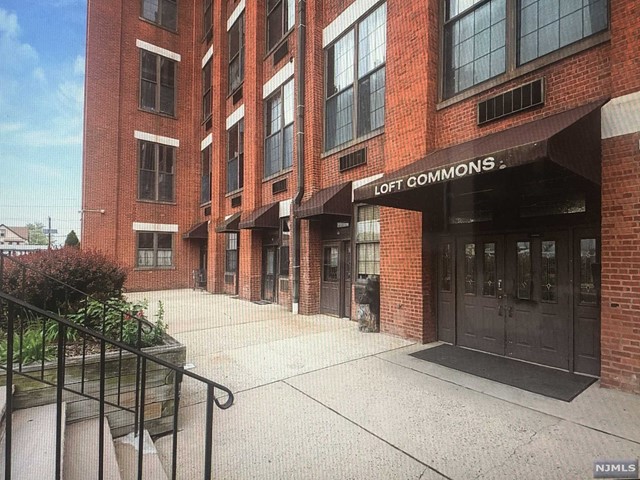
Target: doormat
[{"x": 545, "y": 381}]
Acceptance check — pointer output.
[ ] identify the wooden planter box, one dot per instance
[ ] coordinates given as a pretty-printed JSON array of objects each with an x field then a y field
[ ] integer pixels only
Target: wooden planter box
[{"x": 159, "y": 392}]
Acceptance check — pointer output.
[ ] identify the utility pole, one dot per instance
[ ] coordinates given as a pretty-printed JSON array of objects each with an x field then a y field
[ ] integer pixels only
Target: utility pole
[{"x": 49, "y": 233}]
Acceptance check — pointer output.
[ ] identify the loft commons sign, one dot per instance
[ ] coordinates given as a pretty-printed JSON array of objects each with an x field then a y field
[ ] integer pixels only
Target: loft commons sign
[{"x": 439, "y": 175}]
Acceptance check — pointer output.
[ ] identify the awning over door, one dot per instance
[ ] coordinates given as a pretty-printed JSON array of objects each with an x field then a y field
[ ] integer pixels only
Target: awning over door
[
  {"x": 266, "y": 216},
  {"x": 334, "y": 200},
  {"x": 570, "y": 139},
  {"x": 229, "y": 225},
  {"x": 198, "y": 232}
]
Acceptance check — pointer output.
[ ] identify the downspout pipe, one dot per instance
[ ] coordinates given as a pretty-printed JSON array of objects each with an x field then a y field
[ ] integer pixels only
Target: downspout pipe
[{"x": 297, "y": 200}]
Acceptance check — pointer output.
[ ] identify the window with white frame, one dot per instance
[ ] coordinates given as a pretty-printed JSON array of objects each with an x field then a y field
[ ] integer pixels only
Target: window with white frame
[
  {"x": 278, "y": 148},
  {"x": 155, "y": 250},
  {"x": 236, "y": 54},
  {"x": 368, "y": 241},
  {"x": 280, "y": 20},
  {"x": 235, "y": 157},
  {"x": 157, "y": 83},
  {"x": 355, "y": 80},
  {"x": 156, "y": 172},
  {"x": 161, "y": 12},
  {"x": 478, "y": 43},
  {"x": 231, "y": 250}
]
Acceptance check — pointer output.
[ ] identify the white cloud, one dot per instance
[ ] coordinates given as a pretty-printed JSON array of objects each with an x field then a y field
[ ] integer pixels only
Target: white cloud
[
  {"x": 39, "y": 75},
  {"x": 78, "y": 65},
  {"x": 8, "y": 24},
  {"x": 10, "y": 127}
]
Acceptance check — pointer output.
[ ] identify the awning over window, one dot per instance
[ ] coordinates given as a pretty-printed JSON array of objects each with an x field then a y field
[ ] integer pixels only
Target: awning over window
[
  {"x": 570, "y": 139},
  {"x": 266, "y": 216},
  {"x": 334, "y": 200},
  {"x": 230, "y": 225},
  {"x": 198, "y": 232}
]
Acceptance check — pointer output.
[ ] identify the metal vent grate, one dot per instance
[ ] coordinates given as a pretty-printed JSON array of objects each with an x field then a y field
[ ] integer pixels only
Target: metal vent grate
[
  {"x": 236, "y": 201},
  {"x": 353, "y": 159},
  {"x": 522, "y": 98},
  {"x": 207, "y": 211},
  {"x": 280, "y": 53},
  {"x": 279, "y": 186},
  {"x": 237, "y": 96}
]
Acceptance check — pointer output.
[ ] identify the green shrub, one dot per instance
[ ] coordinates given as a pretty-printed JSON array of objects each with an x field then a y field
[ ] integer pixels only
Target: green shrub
[
  {"x": 87, "y": 271},
  {"x": 31, "y": 348}
]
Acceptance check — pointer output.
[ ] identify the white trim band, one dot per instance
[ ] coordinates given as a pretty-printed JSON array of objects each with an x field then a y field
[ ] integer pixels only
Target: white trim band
[
  {"x": 208, "y": 140},
  {"x": 158, "y": 50},
  {"x": 235, "y": 15},
  {"x": 347, "y": 18},
  {"x": 280, "y": 77},
  {"x": 621, "y": 116},
  {"x": 284, "y": 208},
  {"x": 155, "y": 227},
  {"x": 363, "y": 181},
  {"x": 150, "y": 137},
  {"x": 207, "y": 56},
  {"x": 235, "y": 117}
]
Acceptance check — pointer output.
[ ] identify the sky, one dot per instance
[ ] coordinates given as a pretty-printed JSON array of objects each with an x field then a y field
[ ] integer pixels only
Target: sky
[{"x": 42, "y": 51}]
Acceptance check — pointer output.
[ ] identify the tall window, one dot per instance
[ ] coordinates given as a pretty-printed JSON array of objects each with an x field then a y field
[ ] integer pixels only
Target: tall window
[
  {"x": 278, "y": 148},
  {"x": 206, "y": 91},
  {"x": 161, "y": 12},
  {"x": 206, "y": 17},
  {"x": 157, "y": 83},
  {"x": 231, "y": 257},
  {"x": 154, "y": 250},
  {"x": 235, "y": 157},
  {"x": 205, "y": 175},
  {"x": 355, "y": 80},
  {"x": 368, "y": 241},
  {"x": 156, "y": 172},
  {"x": 236, "y": 54},
  {"x": 281, "y": 15},
  {"x": 478, "y": 43}
]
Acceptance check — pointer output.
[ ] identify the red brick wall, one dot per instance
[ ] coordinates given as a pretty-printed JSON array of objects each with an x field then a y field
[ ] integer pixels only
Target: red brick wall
[
  {"x": 625, "y": 38},
  {"x": 310, "y": 265},
  {"x": 621, "y": 263}
]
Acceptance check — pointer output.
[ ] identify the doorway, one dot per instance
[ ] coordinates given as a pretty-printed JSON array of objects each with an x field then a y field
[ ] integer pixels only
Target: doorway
[{"x": 335, "y": 294}]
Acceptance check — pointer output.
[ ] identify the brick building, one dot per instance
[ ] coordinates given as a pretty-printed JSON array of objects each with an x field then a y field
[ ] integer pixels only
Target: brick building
[{"x": 480, "y": 156}]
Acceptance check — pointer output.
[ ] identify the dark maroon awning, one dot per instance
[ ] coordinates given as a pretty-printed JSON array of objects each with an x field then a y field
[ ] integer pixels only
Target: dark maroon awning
[
  {"x": 570, "y": 139},
  {"x": 229, "y": 225},
  {"x": 266, "y": 216},
  {"x": 198, "y": 232},
  {"x": 334, "y": 200}
]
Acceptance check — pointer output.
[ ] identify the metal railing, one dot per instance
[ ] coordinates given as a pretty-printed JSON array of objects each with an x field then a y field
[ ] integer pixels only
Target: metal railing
[{"x": 22, "y": 321}]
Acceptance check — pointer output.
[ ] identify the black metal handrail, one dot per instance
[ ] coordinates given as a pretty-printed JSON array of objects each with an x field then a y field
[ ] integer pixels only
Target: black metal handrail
[
  {"x": 144, "y": 325},
  {"x": 19, "y": 314}
]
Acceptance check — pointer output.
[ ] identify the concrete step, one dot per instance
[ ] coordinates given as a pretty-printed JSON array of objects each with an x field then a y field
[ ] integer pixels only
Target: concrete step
[
  {"x": 127, "y": 453},
  {"x": 33, "y": 444},
  {"x": 81, "y": 451}
]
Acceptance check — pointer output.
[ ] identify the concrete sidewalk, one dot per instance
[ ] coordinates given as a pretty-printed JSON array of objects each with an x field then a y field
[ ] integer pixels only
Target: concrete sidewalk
[{"x": 317, "y": 399}]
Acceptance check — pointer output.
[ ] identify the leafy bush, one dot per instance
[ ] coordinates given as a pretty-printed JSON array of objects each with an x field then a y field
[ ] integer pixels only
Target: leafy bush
[
  {"x": 31, "y": 348},
  {"x": 88, "y": 271},
  {"x": 118, "y": 319}
]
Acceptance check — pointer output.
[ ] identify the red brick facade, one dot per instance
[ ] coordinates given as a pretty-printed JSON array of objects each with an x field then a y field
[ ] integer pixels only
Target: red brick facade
[{"x": 417, "y": 121}]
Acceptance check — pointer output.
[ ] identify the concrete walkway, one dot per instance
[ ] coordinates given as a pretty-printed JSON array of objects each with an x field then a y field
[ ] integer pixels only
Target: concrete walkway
[{"x": 316, "y": 399}]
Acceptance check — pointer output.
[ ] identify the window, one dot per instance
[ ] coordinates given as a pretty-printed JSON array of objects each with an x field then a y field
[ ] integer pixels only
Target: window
[
  {"x": 235, "y": 157},
  {"x": 478, "y": 44},
  {"x": 281, "y": 16},
  {"x": 278, "y": 148},
  {"x": 231, "y": 259},
  {"x": 236, "y": 54},
  {"x": 155, "y": 250},
  {"x": 205, "y": 175},
  {"x": 589, "y": 271},
  {"x": 160, "y": 12},
  {"x": 206, "y": 18},
  {"x": 156, "y": 175},
  {"x": 446, "y": 264},
  {"x": 523, "y": 270},
  {"x": 206, "y": 91},
  {"x": 157, "y": 83},
  {"x": 368, "y": 241},
  {"x": 355, "y": 80}
]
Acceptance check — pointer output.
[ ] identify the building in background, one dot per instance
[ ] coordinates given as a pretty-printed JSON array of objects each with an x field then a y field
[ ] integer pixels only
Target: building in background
[
  {"x": 13, "y": 235},
  {"x": 481, "y": 157}
]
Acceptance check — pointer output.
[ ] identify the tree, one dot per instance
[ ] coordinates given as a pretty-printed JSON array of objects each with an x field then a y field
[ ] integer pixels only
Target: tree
[
  {"x": 36, "y": 234},
  {"x": 72, "y": 240}
]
